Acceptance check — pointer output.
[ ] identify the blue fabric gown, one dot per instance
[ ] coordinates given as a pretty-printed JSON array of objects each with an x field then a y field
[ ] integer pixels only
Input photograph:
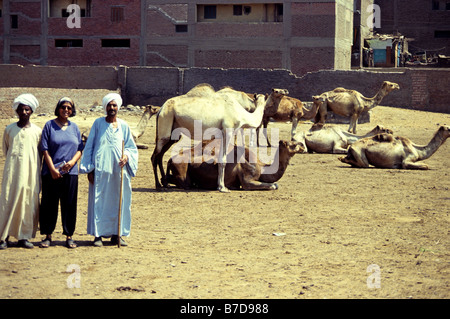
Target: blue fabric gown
[{"x": 102, "y": 153}]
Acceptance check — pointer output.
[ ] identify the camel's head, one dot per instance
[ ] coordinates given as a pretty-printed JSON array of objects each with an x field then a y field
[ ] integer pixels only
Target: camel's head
[
  {"x": 444, "y": 130},
  {"x": 390, "y": 86},
  {"x": 290, "y": 148},
  {"x": 300, "y": 140},
  {"x": 381, "y": 129},
  {"x": 279, "y": 92}
]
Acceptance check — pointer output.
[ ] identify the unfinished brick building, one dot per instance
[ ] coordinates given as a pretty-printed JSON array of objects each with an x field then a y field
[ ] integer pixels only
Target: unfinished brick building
[
  {"x": 298, "y": 35},
  {"x": 425, "y": 21}
]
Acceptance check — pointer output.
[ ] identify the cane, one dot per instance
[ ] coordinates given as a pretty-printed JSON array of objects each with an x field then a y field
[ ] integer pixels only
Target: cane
[{"x": 120, "y": 200}]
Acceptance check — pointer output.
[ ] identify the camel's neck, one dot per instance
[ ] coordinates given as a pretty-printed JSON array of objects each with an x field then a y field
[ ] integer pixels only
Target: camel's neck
[
  {"x": 271, "y": 106},
  {"x": 282, "y": 161},
  {"x": 309, "y": 114},
  {"x": 143, "y": 123},
  {"x": 376, "y": 100},
  {"x": 425, "y": 151}
]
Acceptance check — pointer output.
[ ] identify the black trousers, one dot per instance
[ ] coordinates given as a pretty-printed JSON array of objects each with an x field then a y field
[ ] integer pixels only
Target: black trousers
[{"x": 54, "y": 192}]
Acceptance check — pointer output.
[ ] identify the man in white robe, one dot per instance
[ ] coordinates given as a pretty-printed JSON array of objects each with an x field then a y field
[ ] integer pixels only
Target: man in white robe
[
  {"x": 19, "y": 200},
  {"x": 102, "y": 160}
]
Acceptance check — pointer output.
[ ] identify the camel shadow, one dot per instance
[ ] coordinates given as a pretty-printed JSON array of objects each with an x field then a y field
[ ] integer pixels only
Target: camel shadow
[{"x": 172, "y": 189}]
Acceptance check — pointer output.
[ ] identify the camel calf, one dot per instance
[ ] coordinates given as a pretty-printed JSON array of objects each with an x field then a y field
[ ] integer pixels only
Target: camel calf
[{"x": 202, "y": 173}]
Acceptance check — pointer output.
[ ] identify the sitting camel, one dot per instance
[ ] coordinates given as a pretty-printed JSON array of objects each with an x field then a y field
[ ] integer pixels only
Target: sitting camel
[
  {"x": 351, "y": 103},
  {"x": 387, "y": 151},
  {"x": 214, "y": 111},
  {"x": 290, "y": 109},
  {"x": 201, "y": 172},
  {"x": 332, "y": 139}
]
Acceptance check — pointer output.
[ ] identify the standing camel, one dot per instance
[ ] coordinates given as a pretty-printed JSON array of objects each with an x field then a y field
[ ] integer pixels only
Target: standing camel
[
  {"x": 351, "y": 103},
  {"x": 290, "y": 109},
  {"x": 202, "y": 172},
  {"x": 203, "y": 105},
  {"x": 386, "y": 151}
]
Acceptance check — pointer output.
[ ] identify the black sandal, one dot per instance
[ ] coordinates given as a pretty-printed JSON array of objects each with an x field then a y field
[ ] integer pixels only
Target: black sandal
[
  {"x": 46, "y": 243},
  {"x": 70, "y": 243}
]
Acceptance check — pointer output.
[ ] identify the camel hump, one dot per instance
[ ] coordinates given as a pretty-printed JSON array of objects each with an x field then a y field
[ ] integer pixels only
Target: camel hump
[
  {"x": 383, "y": 137},
  {"x": 202, "y": 89}
]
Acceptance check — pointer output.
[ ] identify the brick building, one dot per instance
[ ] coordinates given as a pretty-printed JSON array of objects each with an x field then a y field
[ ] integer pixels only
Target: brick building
[
  {"x": 425, "y": 21},
  {"x": 299, "y": 35}
]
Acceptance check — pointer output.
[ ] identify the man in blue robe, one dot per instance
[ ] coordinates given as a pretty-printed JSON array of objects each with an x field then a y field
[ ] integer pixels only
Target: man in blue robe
[{"x": 103, "y": 160}]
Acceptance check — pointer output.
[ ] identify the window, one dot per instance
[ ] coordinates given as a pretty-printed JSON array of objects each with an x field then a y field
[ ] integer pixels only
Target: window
[
  {"x": 442, "y": 34},
  {"x": 117, "y": 14},
  {"x": 181, "y": 28},
  {"x": 210, "y": 12},
  {"x": 66, "y": 14},
  {"x": 447, "y": 5},
  {"x": 14, "y": 21},
  {"x": 279, "y": 12},
  {"x": 69, "y": 43},
  {"x": 237, "y": 10},
  {"x": 435, "y": 5},
  {"x": 115, "y": 43}
]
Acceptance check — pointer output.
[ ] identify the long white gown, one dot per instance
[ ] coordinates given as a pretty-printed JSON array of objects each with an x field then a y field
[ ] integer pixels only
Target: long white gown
[
  {"x": 21, "y": 183},
  {"x": 102, "y": 154}
]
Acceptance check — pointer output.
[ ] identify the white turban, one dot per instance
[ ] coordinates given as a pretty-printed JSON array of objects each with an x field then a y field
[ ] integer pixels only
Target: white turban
[
  {"x": 112, "y": 97},
  {"x": 26, "y": 99}
]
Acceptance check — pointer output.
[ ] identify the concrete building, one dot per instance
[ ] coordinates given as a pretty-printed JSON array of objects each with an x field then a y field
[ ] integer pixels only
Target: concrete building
[{"x": 298, "y": 35}]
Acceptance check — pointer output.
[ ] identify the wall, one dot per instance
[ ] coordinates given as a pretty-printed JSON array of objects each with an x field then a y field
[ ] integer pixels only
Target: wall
[{"x": 421, "y": 89}]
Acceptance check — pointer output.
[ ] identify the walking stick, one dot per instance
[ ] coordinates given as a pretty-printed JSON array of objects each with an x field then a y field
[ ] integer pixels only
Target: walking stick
[{"x": 120, "y": 199}]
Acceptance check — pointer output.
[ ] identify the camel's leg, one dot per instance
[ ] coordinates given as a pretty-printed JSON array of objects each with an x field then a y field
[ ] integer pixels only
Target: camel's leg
[
  {"x": 339, "y": 150},
  {"x": 248, "y": 176},
  {"x": 264, "y": 124},
  {"x": 223, "y": 161},
  {"x": 157, "y": 160},
  {"x": 294, "y": 127},
  {"x": 353, "y": 121},
  {"x": 412, "y": 165},
  {"x": 355, "y": 158}
]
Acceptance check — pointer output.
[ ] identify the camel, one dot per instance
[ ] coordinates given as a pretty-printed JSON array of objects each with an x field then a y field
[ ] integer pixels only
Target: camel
[
  {"x": 202, "y": 172},
  {"x": 214, "y": 111},
  {"x": 386, "y": 151},
  {"x": 332, "y": 139},
  {"x": 351, "y": 103},
  {"x": 290, "y": 109},
  {"x": 139, "y": 130}
]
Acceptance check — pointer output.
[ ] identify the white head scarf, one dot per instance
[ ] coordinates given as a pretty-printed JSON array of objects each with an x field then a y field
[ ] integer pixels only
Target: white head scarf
[
  {"x": 112, "y": 97},
  {"x": 26, "y": 99}
]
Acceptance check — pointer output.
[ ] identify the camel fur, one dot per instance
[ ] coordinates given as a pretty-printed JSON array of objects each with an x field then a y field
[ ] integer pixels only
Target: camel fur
[
  {"x": 188, "y": 170},
  {"x": 290, "y": 109},
  {"x": 213, "y": 110},
  {"x": 351, "y": 103},
  {"x": 386, "y": 151},
  {"x": 332, "y": 139}
]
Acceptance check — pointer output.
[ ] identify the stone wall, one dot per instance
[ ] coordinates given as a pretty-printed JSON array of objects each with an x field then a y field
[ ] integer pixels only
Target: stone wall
[{"x": 421, "y": 89}]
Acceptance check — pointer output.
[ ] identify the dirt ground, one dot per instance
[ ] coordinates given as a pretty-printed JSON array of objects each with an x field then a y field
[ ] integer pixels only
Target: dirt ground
[{"x": 317, "y": 236}]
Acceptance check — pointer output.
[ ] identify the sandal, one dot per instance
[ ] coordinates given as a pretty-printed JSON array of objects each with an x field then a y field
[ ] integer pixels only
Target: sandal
[
  {"x": 46, "y": 242},
  {"x": 70, "y": 243},
  {"x": 24, "y": 243}
]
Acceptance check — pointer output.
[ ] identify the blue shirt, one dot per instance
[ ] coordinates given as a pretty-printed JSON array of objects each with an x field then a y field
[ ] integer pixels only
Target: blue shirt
[{"x": 61, "y": 145}]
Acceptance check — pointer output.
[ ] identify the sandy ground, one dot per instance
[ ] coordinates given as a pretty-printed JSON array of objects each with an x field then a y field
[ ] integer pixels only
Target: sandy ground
[{"x": 317, "y": 236}]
